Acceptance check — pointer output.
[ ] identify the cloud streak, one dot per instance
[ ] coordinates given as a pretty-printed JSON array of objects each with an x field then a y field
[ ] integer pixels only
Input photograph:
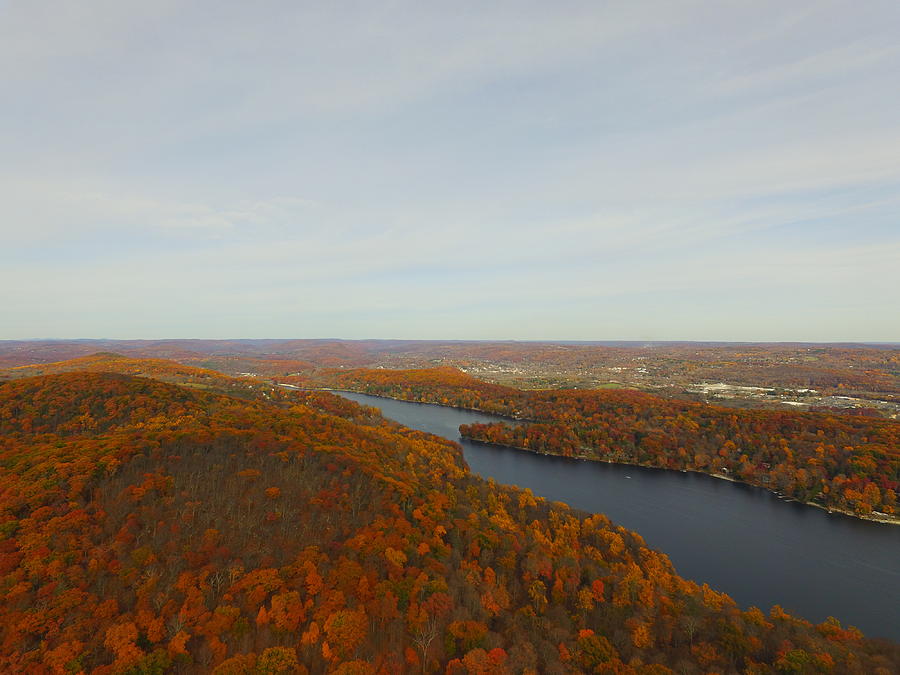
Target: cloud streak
[{"x": 631, "y": 170}]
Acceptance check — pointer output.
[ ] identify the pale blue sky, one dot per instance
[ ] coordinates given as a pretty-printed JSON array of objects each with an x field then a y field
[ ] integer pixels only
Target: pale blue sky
[{"x": 549, "y": 170}]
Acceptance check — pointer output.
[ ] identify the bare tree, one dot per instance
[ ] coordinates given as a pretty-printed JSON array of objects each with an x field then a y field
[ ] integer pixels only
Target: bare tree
[
  {"x": 423, "y": 637},
  {"x": 690, "y": 625}
]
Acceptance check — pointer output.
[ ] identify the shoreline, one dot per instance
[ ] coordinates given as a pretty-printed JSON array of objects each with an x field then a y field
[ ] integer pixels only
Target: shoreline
[
  {"x": 406, "y": 400},
  {"x": 882, "y": 519}
]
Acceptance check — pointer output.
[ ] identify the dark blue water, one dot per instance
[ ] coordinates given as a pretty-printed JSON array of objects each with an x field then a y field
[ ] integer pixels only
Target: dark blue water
[{"x": 738, "y": 539}]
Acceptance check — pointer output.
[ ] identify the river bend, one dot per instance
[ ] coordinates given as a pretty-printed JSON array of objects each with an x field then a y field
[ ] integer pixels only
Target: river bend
[{"x": 739, "y": 539}]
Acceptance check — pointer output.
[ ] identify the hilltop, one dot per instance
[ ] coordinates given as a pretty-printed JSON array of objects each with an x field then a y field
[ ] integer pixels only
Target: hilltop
[{"x": 110, "y": 362}]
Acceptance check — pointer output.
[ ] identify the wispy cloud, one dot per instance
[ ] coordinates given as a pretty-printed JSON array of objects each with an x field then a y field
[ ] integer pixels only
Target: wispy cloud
[{"x": 403, "y": 169}]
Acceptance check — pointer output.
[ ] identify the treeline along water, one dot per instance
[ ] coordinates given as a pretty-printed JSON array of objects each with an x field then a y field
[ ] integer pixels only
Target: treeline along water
[{"x": 738, "y": 539}]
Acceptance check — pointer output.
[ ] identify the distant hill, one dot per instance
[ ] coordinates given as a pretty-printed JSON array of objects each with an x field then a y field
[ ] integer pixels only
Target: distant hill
[
  {"x": 107, "y": 362},
  {"x": 864, "y": 372},
  {"x": 148, "y": 527}
]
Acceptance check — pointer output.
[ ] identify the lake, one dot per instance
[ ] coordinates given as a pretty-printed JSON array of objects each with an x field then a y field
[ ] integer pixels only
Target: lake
[{"x": 739, "y": 539}]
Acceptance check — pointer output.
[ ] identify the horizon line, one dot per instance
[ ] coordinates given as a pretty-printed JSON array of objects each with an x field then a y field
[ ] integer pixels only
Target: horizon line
[{"x": 464, "y": 340}]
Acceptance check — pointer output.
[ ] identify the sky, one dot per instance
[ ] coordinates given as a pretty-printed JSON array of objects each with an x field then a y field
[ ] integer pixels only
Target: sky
[{"x": 644, "y": 170}]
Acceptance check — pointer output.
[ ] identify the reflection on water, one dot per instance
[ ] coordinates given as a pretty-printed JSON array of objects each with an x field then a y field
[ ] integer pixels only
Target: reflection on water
[{"x": 738, "y": 539}]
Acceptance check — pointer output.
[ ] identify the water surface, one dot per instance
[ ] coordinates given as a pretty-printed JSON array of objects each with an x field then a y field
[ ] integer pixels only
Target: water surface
[{"x": 737, "y": 538}]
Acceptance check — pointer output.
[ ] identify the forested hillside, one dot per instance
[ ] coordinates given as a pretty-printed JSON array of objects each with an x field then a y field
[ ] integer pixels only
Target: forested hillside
[
  {"x": 150, "y": 528},
  {"x": 158, "y": 369},
  {"x": 837, "y": 461}
]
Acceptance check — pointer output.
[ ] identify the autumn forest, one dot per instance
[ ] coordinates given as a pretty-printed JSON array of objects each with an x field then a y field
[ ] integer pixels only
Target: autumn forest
[
  {"x": 841, "y": 462},
  {"x": 158, "y": 517}
]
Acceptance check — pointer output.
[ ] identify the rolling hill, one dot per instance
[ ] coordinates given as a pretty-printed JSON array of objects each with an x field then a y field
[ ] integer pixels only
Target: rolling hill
[{"x": 150, "y": 527}]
